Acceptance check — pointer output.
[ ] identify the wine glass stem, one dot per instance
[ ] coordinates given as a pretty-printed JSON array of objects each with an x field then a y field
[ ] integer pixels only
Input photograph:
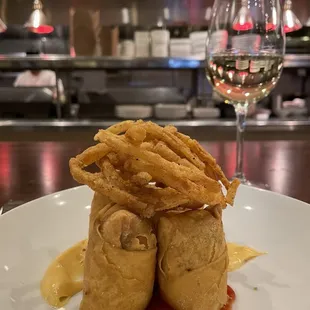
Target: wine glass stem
[{"x": 241, "y": 113}]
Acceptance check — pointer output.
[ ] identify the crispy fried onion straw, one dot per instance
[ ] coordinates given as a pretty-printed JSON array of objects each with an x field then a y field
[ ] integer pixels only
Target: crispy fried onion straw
[{"x": 148, "y": 168}]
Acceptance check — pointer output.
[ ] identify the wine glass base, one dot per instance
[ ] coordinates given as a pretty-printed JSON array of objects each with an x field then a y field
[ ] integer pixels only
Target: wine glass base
[{"x": 244, "y": 181}]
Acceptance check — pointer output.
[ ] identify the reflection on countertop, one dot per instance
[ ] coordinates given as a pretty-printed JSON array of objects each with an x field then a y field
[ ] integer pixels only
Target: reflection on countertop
[{"x": 29, "y": 170}]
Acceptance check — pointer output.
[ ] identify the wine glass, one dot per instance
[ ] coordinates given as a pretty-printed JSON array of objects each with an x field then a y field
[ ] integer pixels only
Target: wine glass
[{"x": 244, "y": 57}]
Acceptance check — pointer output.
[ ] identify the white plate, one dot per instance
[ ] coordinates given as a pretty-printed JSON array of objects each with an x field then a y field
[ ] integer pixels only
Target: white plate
[{"x": 32, "y": 235}]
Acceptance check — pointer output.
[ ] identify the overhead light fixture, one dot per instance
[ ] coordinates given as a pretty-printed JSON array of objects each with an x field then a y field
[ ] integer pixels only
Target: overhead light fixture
[
  {"x": 273, "y": 21},
  {"x": 290, "y": 20},
  {"x": 3, "y": 26},
  {"x": 37, "y": 22},
  {"x": 243, "y": 20}
]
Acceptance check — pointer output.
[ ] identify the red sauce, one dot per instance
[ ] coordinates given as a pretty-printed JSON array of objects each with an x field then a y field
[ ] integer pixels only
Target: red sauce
[
  {"x": 231, "y": 298},
  {"x": 157, "y": 302}
]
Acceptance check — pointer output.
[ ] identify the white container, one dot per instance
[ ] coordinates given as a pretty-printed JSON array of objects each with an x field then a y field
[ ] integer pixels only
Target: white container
[
  {"x": 206, "y": 112},
  {"x": 133, "y": 111},
  {"x": 218, "y": 41},
  {"x": 262, "y": 114},
  {"x": 142, "y": 43},
  {"x": 246, "y": 42},
  {"x": 180, "y": 48},
  {"x": 170, "y": 111},
  {"x": 160, "y": 43},
  {"x": 127, "y": 48},
  {"x": 198, "y": 41}
]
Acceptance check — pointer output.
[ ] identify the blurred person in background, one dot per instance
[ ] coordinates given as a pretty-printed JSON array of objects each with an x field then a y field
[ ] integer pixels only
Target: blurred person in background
[{"x": 39, "y": 78}]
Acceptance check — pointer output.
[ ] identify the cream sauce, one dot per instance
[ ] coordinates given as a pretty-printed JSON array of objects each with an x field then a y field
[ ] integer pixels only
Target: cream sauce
[
  {"x": 64, "y": 276},
  {"x": 239, "y": 255}
]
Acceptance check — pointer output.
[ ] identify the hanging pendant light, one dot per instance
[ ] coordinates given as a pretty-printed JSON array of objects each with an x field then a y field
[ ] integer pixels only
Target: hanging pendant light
[
  {"x": 243, "y": 20},
  {"x": 37, "y": 22},
  {"x": 3, "y": 26},
  {"x": 273, "y": 21},
  {"x": 291, "y": 22}
]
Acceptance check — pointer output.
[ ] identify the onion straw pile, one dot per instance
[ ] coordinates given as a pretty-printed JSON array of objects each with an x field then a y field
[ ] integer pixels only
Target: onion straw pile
[{"x": 148, "y": 168}]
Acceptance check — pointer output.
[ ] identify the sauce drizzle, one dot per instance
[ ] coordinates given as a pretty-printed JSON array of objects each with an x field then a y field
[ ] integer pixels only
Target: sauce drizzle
[{"x": 231, "y": 298}]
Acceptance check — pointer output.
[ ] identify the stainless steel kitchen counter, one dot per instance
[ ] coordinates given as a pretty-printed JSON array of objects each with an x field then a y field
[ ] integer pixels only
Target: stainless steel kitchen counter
[
  {"x": 70, "y": 130},
  {"x": 252, "y": 125}
]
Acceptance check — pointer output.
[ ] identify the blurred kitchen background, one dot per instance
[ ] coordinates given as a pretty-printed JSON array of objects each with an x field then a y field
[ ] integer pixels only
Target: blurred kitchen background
[{"x": 135, "y": 59}]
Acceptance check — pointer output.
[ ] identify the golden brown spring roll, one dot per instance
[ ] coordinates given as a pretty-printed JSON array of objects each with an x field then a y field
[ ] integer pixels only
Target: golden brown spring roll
[
  {"x": 99, "y": 202},
  {"x": 192, "y": 260},
  {"x": 120, "y": 260}
]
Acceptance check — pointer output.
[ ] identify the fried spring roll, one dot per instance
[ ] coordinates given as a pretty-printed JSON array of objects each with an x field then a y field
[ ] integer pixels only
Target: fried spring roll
[
  {"x": 120, "y": 260},
  {"x": 192, "y": 260}
]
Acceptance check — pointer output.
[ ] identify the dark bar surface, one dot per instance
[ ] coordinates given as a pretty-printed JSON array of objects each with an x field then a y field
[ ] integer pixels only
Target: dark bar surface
[{"x": 29, "y": 170}]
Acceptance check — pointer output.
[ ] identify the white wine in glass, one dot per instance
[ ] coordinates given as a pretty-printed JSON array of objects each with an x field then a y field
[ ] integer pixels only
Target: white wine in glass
[{"x": 244, "y": 56}]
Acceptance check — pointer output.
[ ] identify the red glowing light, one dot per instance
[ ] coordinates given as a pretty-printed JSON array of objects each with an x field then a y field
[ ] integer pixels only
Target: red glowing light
[
  {"x": 291, "y": 29},
  {"x": 243, "y": 27},
  {"x": 72, "y": 52},
  {"x": 5, "y": 166},
  {"x": 243, "y": 74},
  {"x": 271, "y": 27},
  {"x": 42, "y": 29}
]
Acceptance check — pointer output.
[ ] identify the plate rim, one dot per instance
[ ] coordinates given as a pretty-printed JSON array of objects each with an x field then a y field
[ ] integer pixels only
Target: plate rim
[
  {"x": 280, "y": 195},
  {"x": 28, "y": 204}
]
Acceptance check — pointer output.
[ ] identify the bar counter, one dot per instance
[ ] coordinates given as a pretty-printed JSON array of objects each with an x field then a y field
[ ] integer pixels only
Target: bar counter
[
  {"x": 273, "y": 124},
  {"x": 31, "y": 170},
  {"x": 204, "y": 130}
]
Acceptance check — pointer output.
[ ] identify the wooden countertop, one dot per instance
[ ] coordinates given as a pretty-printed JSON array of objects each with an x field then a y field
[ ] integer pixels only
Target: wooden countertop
[{"x": 29, "y": 170}]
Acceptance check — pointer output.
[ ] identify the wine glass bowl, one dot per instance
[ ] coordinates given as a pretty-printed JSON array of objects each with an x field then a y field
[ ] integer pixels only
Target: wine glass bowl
[
  {"x": 243, "y": 78},
  {"x": 244, "y": 56}
]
